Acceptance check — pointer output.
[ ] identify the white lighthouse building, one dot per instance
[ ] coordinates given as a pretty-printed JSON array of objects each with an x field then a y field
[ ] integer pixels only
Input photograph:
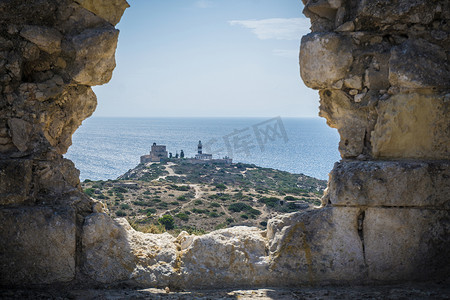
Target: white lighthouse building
[{"x": 200, "y": 155}]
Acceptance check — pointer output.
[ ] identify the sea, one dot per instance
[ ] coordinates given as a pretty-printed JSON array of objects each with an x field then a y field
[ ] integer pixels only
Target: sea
[{"x": 105, "y": 148}]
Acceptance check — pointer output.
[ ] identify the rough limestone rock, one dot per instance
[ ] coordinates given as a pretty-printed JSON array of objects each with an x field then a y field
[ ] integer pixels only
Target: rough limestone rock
[
  {"x": 110, "y": 10},
  {"x": 412, "y": 126},
  {"x": 15, "y": 181},
  {"x": 51, "y": 53},
  {"x": 390, "y": 184},
  {"x": 417, "y": 64},
  {"x": 324, "y": 59},
  {"x": 115, "y": 252},
  {"x": 322, "y": 246},
  {"x": 94, "y": 60},
  {"x": 353, "y": 120},
  {"x": 228, "y": 257},
  {"x": 47, "y": 39},
  {"x": 38, "y": 245},
  {"x": 381, "y": 68},
  {"x": 388, "y": 96},
  {"x": 407, "y": 244}
]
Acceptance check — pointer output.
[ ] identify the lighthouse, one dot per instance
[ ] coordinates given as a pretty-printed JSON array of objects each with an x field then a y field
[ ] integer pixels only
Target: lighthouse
[
  {"x": 199, "y": 147},
  {"x": 200, "y": 155}
]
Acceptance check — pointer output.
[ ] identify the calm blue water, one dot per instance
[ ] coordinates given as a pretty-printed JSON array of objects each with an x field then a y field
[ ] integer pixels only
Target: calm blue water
[{"x": 104, "y": 148}]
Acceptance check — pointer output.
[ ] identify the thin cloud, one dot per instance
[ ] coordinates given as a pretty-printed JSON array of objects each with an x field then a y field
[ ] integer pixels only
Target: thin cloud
[
  {"x": 276, "y": 28},
  {"x": 203, "y": 3},
  {"x": 286, "y": 53}
]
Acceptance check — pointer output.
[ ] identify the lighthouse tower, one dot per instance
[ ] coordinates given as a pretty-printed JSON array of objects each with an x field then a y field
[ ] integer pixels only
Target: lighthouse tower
[{"x": 199, "y": 147}]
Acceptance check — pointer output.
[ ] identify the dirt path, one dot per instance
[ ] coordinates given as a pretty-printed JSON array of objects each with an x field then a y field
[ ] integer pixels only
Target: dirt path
[
  {"x": 225, "y": 211},
  {"x": 198, "y": 194},
  {"x": 171, "y": 172}
]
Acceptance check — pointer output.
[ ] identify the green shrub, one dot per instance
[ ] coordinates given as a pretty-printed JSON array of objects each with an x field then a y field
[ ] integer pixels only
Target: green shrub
[
  {"x": 89, "y": 192},
  {"x": 121, "y": 213},
  {"x": 182, "y": 188},
  {"x": 213, "y": 214},
  {"x": 199, "y": 211},
  {"x": 167, "y": 221},
  {"x": 119, "y": 189},
  {"x": 271, "y": 201},
  {"x": 198, "y": 202},
  {"x": 215, "y": 204},
  {"x": 263, "y": 223},
  {"x": 290, "y": 198},
  {"x": 182, "y": 198},
  {"x": 141, "y": 203},
  {"x": 244, "y": 216},
  {"x": 183, "y": 216},
  {"x": 221, "y": 186},
  {"x": 163, "y": 205},
  {"x": 125, "y": 206},
  {"x": 150, "y": 211},
  {"x": 238, "y": 207}
]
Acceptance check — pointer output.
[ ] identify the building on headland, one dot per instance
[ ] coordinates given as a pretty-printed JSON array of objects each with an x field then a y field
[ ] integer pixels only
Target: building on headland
[
  {"x": 157, "y": 153},
  {"x": 200, "y": 154},
  {"x": 204, "y": 158}
]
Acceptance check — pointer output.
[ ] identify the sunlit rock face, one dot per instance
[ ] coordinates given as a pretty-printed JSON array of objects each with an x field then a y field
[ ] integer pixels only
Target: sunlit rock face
[
  {"x": 382, "y": 72},
  {"x": 51, "y": 53},
  {"x": 387, "y": 92}
]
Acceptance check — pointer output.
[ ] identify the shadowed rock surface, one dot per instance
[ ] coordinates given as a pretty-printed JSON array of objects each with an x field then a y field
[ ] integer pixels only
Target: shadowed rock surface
[{"x": 383, "y": 78}]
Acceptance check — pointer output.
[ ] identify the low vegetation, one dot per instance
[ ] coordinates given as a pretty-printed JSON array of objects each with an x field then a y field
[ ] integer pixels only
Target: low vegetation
[{"x": 203, "y": 197}]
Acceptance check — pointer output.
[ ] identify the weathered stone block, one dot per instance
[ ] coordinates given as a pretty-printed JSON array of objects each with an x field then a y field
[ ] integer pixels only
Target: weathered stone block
[
  {"x": 324, "y": 59},
  {"x": 113, "y": 252},
  {"x": 317, "y": 246},
  {"x": 391, "y": 12},
  {"x": 407, "y": 244},
  {"x": 15, "y": 181},
  {"x": 390, "y": 183},
  {"x": 95, "y": 55},
  {"x": 37, "y": 246},
  {"x": 228, "y": 257},
  {"x": 412, "y": 126},
  {"x": 419, "y": 64},
  {"x": 110, "y": 10},
  {"x": 46, "y": 38}
]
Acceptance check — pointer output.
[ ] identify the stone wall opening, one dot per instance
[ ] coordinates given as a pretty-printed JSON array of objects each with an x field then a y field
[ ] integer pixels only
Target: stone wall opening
[{"x": 383, "y": 77}]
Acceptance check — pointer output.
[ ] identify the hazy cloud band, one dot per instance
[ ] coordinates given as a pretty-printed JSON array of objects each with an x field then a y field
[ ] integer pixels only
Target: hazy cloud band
[{"x": 276, "y": 28}]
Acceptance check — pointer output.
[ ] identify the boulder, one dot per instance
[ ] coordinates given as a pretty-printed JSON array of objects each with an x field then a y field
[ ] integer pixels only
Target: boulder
[
  {"x": 38, "y": 246},
  {"x": 324, "y": 59},
  {"x": 110, "y": 10},
  {"x": 95, "y": 55}
]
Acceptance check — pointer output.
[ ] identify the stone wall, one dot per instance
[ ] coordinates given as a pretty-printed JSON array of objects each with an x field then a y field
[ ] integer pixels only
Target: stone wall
[
  {"x": 51, "y": 53},
  {"x": 383, "y": 77},
  {"x": 382, "y": 72}
]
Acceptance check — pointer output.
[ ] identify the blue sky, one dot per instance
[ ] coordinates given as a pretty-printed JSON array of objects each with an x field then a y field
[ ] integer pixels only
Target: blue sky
[{"x": 216, "y": 58}]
